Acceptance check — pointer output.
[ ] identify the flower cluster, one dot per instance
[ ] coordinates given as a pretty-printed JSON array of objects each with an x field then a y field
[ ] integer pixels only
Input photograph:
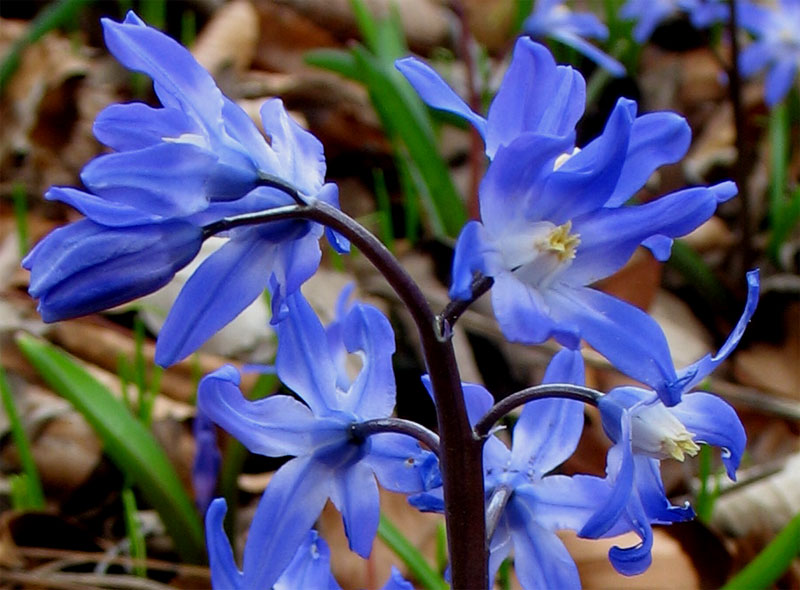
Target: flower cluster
[
  {"x": 555, "y": 218},
  {"x": 174, "y": 170}
]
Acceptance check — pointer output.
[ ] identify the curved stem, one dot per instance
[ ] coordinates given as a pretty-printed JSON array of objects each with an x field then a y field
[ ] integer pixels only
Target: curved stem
[
  {"x": 546, "y": 390},
  {"x": 461, "y": 458},
  {"x": 450, "y": 314},
  {"x": 426, "y": 437}
]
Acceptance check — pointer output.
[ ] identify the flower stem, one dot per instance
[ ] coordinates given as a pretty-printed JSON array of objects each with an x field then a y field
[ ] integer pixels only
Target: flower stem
[
  {"x": 546, "y": 390},
  {"x": 412, "y": 429},
  {"x": 460, "y": 455}
]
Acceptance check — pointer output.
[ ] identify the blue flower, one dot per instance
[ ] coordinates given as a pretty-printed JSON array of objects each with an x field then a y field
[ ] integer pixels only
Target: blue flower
[
  {"x": 538, "y": 504},
  {"x": 310, "y": 568},
  {"x": 550, "y": 18},
  {"x": 330, "y": 459},
  {"x": 650, "y": 13},
  {"x": 777, "y": 46},
  {"x": 194, "y": 161},
  {"x": 644, "y": 432},
  {"x": 553, "y": 223},
  {"x": 85, "y": 267}
]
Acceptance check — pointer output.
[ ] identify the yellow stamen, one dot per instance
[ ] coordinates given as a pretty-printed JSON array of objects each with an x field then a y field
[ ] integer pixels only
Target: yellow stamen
[
  {"x": 561, "y": 242},
  {"x": 680, "y": 446}
]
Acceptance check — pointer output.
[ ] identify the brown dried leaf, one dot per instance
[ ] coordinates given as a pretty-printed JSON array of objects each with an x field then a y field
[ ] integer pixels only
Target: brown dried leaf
[{"x": 229, "y": 39}]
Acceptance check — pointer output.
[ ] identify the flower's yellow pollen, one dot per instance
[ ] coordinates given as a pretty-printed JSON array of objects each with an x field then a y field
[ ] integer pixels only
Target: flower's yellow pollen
[
  {"x": 680, "y": 446},
  {"x": 561, "y": 242}
]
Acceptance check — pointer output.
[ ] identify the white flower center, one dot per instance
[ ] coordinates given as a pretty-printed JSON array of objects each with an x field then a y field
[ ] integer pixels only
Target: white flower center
[{"x": 655, "y": 431}]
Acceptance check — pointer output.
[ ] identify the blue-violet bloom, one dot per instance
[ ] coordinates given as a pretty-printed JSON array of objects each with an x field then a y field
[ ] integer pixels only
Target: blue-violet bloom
[
  {"x": 551, "y": 19},
  {"x": 538, "y": 504},
  {"x": 776, "y": 47},
  {"x": 207, "y": 461},
  {"x": 177, "y": 168},
  {"x": 648, "y": 14},
  {"x": 644, "y": 432},
  {"x": 331, "y": 460}
]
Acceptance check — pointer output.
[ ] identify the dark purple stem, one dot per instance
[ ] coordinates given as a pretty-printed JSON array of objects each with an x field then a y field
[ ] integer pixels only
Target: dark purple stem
[
  {"x": 450, "y": 314},
  {"x": 546, "y": 390},
  {"x": 460, "y": 450},
  {"x": 407, "y": 427}
]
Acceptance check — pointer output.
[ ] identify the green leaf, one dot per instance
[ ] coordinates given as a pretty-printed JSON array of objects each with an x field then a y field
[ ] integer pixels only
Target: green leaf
[
  {"x": 29, "y": 485},
  {"x": 410, "y": 555},
  {"x": 772, "y": 562},
  {"x": 127, "y": 442},
  {"x": 335, "y": 60}
]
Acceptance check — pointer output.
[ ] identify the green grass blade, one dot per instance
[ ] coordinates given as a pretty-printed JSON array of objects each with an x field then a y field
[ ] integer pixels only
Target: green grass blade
[
  {"x": 20, "y": 197},
  {"x": 127, "y": 442},
  {"x": 410, "y": 555},
  {"x": 30, "y": 482},
  {"x": 334, "y": 60},
  {"x": 134, "y": 531},
  {"x": 769, "y": 565}
]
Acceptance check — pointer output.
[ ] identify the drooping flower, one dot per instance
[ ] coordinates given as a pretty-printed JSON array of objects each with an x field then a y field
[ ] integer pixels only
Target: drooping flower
[
  {"x": 177, "y": 168},
  {"x": 645, "y": 432},
  {"x": 551, "y": 19},
  {"x": 776, "y": 47},
  {"x": 331, "y": 460},
  {"x": 538, "y": 504},
  {"x": 86, "y": 267}
]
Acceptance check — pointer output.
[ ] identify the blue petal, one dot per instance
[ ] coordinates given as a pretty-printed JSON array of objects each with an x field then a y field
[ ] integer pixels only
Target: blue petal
[
  {"x": 755, "y": 57},
  {"x": 329, "y": 193},
  {"x": 432, "y": 501},
  {"x": 299, "y": 153},
  {"x": 513, "y": 190},
  {"x": 179, "y": 80},
  {"x": 135, "y": 126},
  {"x": 548, "y": 430},
  {"x": 274, "y": 426},
  {"x": 713, "y": 421},
  {"x": 656, "y": 139},
  {"x": 369, "y": 333},
  {"x": 779, "y": 80},
  {"x": 224, "y": 573},
  {"x": 435, "y": 92},
  {"x": 587, "y": 179},
  {"x": 541, "y": 560},
  {"x": 631, "y": 561},
  {"x": 629, "y": 338},
  {"x": 660, "y": 247},
  {"x": 652, "y": 495},
  {"x": 293, "y": 264},
  {"x": 207, "y": 461},
  {"x": 241, "y": 128},
  {"x": 288, "y": 509},
  {"x": 223, "y": 285},
  {"x": 550, "y": 106},
  {"x": 705, "y": 366},
  {"x": 396, "y": 581},
  {"x": 167, "y": 179},
  {"x": 524, "y": 316},
  {"x": 84, "y": 267},
  {"x": 310, "y": 567},
  {"x": 610, "y": 236},
  {"x": 474, "y": 253},
  {"x": 303, "y": 365},
  {"x": 355, "y": 494},
  {"x": 620, "y": 467},
  {"x": 562, "y": 502},
  {"x": 401, "y": 465},
  {"x": 100, "y": 210}
]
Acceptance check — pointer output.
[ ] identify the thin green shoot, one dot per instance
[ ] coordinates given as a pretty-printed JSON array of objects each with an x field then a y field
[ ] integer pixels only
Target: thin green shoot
[
  {"x": 441, "y": 548},
  {"x": 188, "y": 27},
  {"x": 504, "y": 575},
  {"x": 133, "y": 530},
  {"x": 708, "y": 494},
  {"x": 20, "y": 198},
  {"x": 31, "y": 482},
  {"x": 22, "y": 493}
]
